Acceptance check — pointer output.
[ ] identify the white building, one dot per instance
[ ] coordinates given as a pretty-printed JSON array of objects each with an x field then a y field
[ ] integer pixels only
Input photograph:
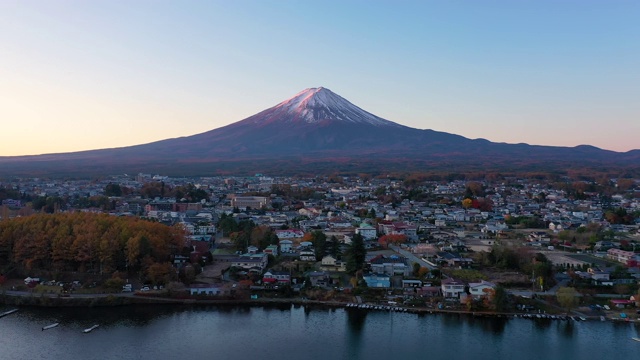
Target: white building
[
  {"x": 481, "y": 289},
  {"x": 452, "y": 288},
  {"x": 367, "y": 231},
  {"x": 285, "y": 246}
]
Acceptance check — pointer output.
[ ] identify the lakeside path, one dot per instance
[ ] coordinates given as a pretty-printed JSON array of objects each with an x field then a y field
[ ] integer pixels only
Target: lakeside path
[{"x": 29, "y": 294}]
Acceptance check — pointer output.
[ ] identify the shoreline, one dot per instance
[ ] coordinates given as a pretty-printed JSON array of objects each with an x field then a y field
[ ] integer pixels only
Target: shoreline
[{"x": 119, "y": 300}]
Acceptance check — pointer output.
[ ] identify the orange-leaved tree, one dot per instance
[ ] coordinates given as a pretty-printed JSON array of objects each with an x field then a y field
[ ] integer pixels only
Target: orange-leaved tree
[{"x": 395, "y": 239}]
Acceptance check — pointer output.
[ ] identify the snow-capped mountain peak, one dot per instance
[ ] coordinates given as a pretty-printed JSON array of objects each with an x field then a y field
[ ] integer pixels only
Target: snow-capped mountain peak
[{"x": 319, "y": 105}]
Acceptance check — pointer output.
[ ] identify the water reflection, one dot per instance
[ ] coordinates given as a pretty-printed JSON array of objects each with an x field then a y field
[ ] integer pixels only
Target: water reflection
[
  {"x": 356, "y": 320},
  {"x": 281, "y": 307},
  {"x": 566, "y": 328},
  {"x": 542, "y": 324},
  {"x": 130, "y": 316},
  {"x": 174, "y": 332},
  {"x": 492, "y": 324},
  {"x": 317, "y": 308},
  {"x": 451, "y": 319}
]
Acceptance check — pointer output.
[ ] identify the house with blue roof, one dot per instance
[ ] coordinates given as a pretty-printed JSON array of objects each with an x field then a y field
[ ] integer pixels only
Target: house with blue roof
[{"x": 377, "y": 280}]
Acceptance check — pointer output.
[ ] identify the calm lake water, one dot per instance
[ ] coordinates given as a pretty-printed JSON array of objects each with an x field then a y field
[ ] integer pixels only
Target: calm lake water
[{"x": 158, "y": 332}]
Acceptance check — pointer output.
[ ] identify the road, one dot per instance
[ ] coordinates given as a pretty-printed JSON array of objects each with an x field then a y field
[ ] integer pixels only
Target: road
[
  {"x": 55, "y": 295},
  {"x": 412, "y": 258}
]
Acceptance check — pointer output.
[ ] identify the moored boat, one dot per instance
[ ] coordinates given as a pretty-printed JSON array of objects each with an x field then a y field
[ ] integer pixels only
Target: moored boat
[
  {"x": 88, "y": 330},
  {"x": 8, "y": 312},
  {"x": 50, "y": 326}
]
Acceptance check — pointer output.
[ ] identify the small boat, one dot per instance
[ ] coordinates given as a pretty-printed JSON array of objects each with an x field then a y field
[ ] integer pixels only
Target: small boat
[
  {"x": 635, "y": 338},
  {"x": 602, "y": 318},
  {"x": 50, "y": 326},
  {"x": 8, "y": 312},
  {"x": 583, "y": 318},
  {"x": 88, "y": 330}
]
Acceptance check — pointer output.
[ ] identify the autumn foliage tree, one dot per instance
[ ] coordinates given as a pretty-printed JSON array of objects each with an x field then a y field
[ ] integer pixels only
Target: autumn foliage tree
[
  {"x": 87, "y": 242},
  {"x": 567, "y": 297},
  {"x": 394, "y": 239},
  {"x": 467, "y": 203},
  {"x": 161, "y": 273},
  {"x": 263, "y": 236}
]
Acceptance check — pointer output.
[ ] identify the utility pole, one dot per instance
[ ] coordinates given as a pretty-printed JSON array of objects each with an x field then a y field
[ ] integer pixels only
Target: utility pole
[{"x": 533, "y": 282}]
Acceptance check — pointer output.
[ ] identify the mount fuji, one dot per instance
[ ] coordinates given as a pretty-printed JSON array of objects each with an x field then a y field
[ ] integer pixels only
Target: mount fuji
[
  {"x": 315, "y": 106},
  {"x": 317, "y": 130}
]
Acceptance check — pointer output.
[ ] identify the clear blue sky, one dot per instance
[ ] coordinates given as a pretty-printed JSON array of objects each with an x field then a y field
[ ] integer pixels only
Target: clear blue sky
[{"x": 79, "y": 75}]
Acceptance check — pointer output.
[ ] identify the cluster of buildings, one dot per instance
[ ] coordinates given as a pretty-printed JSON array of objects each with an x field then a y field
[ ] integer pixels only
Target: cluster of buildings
[{"x": 433, "y": 219}]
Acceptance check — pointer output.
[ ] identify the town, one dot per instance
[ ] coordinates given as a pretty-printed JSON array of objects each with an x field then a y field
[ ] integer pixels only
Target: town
[{"x": 541, "y": 245}]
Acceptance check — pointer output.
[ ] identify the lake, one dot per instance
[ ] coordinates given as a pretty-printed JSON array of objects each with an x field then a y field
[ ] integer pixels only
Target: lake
[{"x": 288, "y": 332}]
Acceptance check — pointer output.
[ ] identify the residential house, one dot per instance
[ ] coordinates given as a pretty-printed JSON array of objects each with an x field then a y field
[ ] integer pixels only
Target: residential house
[
  {"x": 481, "y": 289},
  {"x": 311, "y": 212},
  {"x": 539, "y": 236},
  {"x": 276, "y": 277},
  {"x": 252, "y": 250},
  {"x": 290, "y": 234},
  {"x": 204, "y": 289},
  {"x": 319, "y": 278},
  {"x": 409, "y": 230},
  {"x": 307, "y": 255},
  {"x": 255, "y": 262},
  {"x": 452, "y": 288},
  {"x": 329, "y": 263},
  {"x": 367, "y": 231},
  {"x": 377, "y": 280},
  {"x": 429, "y": 291},
  {"x": 271, "y": 250},
  {"x": 285, "y": 246},
  {"x": 390, "y": 265},
  {"x": 399, "y": 228},
  {"x": 600, "y": 277},
  {"x": 621, "y": 256},
  {"x": 409, "y": 283},
  {"x": 453, "y": 260}
]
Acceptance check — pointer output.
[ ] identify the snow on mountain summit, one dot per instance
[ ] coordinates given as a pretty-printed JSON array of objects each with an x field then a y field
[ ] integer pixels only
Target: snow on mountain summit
[{"x": 318, "y": 105}]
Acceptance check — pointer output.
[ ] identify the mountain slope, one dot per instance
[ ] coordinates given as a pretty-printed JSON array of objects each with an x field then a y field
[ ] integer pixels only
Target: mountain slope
[{"x": 316, "y": 127}]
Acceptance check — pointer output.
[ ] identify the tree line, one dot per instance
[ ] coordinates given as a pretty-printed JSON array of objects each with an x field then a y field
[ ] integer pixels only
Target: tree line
[{"x": 86, "y": 242}]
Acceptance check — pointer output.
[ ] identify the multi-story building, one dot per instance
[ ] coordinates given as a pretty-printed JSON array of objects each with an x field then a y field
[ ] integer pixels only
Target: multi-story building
[
  {"x": 253, "y": 202},
  {"x": 452, "y": 288}
]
